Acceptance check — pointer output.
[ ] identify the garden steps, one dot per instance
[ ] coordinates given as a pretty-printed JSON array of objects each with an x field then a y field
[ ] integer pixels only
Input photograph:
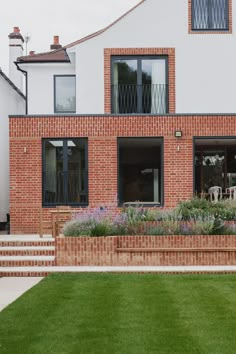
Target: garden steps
[{"x": 18, "y": 251}]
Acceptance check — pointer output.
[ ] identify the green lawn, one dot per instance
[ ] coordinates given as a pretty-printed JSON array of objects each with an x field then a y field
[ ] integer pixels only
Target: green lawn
[{"x": 123, "y": 313}]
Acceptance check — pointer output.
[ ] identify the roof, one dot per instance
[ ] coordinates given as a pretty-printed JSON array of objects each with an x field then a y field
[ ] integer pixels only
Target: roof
[
  {"x": 55, "y": 56},
  {"x": 11, "y": 84},
  {"x": 60, "y": 55},
  {"x": 95, "y": 34}
]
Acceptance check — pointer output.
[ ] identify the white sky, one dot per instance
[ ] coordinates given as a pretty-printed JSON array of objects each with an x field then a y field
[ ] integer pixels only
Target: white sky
[{"x": 41, "y": 20}]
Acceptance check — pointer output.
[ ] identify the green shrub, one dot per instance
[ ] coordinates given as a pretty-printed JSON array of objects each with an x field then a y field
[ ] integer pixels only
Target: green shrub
[
  {"x": 196, "y": 207},
  {"x": 156, "y": 231},
  {"x": 102, "y": 229},
  {"x": 76, "y": 228}
]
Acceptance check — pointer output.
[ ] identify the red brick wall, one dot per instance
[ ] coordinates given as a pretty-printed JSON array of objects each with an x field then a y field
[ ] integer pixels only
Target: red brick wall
[
  {"x": 146, "y": 250},
  {"x": 26, "y": 135}
]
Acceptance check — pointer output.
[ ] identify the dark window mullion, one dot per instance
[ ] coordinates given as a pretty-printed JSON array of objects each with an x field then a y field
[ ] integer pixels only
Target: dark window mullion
[
  {"x": 65, "y": 172},
  {"x": 209, "y": 14},
  {"x": 227, "y": 14}
]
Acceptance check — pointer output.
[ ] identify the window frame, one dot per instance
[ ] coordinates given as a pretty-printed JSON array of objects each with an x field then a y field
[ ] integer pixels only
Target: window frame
[
  {"x": 54, "y": 94},
  {"x": 227, "y": 29},
  {"x": 139, "y": 59},
  {"x": 65, "y": 164}
]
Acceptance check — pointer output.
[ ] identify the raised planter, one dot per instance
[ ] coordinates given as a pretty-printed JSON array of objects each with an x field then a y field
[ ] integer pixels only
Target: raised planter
[{"x": 146, "y": 250}]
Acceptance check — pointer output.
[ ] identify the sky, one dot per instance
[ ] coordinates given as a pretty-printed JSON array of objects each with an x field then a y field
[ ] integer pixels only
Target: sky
[{"x": 41, "y": 20}]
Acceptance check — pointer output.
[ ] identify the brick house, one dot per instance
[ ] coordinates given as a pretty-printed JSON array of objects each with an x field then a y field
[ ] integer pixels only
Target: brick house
[{"x": 143, "y": 110}]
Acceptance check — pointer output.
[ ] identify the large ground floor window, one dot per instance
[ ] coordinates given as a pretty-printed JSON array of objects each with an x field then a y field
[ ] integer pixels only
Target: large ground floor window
[
  {"x": 215, "y": 163},
  {"x": 140, "y": 170},
  {"x": 65, "y": 176}
]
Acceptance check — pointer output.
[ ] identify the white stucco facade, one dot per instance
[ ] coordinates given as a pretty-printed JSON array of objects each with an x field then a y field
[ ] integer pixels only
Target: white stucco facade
[
  {"x": 11, "y": 103},
  {"x": 205, "y": 63}
]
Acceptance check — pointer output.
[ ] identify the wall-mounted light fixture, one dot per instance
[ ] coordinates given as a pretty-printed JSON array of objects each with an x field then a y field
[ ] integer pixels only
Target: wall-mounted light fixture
[{"x": 178, "y": 133}]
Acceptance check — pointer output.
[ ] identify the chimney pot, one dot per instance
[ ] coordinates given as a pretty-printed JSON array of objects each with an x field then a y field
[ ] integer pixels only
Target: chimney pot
[
  {"x": 32, "y": 52},
  {"x": 56, "y": 44},
  {"x": 56, "y": 40},
  {"x": 16, "y": 30}
]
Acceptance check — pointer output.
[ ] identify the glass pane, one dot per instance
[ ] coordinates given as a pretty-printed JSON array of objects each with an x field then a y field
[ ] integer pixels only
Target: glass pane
[
  {"x": 65, "y": 94},
  {"x": 140, "y": 170},
  {"x": 154, "y": 86},
  {"x": 53, "y": 173},
  {"x": 124, "y": 86},
  {"x": 200, "y": 14},
  {"x": 219, "y": 13},
  {"x": 76, "y": 171},
  {"x": 198, "y": 164},
  {"x": 209, "y": 169},
  {"x": 231, "y": 167}
]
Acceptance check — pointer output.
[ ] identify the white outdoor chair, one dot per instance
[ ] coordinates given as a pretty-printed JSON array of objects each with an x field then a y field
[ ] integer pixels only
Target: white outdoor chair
[
  {"x": 215, "y": 193},
  {"x": 232, "y": 192}
]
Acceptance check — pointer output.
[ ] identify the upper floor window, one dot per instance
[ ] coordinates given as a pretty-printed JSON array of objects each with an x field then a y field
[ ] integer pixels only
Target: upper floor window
[
  {"x": 65, "y": 172},
  {"x": 139, "y": 85},
  {"x": 210, "y": 15},
  {"x": 64, "y": 94}
]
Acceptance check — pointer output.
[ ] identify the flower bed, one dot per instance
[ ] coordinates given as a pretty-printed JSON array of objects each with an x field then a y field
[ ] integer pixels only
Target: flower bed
[{"x": 188, "y": 235}]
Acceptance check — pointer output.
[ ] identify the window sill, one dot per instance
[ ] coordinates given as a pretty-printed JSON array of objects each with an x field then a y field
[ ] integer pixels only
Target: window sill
[
  {"x": 210, "y": 31},
  {"x": 141, "y": 204}
]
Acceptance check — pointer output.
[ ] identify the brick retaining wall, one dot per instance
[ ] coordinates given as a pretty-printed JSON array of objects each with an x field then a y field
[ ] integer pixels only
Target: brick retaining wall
[{"x": 146, "y": 250}]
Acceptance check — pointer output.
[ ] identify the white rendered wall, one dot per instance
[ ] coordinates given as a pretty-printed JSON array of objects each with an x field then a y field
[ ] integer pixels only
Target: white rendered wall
[
  {"x": 15, "y": 51},
  {"x": 41, "y": 85},
  {"x": 11, "y": 103},
  {"x": 205, "y": 63}
]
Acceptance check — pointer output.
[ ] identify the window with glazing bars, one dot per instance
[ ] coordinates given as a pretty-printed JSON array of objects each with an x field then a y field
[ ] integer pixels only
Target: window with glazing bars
[
  {"x": 210, "y": 15},
  {"x": 65, "y": 174}
]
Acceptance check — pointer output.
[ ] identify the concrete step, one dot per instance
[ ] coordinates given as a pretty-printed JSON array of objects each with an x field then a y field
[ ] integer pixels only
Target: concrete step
[
  {"x": 27, "y": 251},
  {"x": 43, "y": 271},
  {"x": 26, "y": 241},
  {"x": 27, "y": 238}
]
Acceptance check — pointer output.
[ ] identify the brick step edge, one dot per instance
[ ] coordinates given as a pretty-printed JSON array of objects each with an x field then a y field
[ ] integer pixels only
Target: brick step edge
[
  {"x": 26, "y": 253},
  {"x": 15, "y": 243},
  {"x": 24, "y": 274},
  {"x": 27, "y": 263}
]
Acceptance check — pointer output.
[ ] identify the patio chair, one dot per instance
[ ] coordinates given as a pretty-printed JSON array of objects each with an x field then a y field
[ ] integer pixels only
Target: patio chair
[
  {"x": 215, "y": 193},
  {"x": 232, "y": 192}
]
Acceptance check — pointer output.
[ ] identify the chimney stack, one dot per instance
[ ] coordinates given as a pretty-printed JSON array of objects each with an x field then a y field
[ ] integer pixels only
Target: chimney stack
[
  {"x": 32, "y": 52},
  {"x": 55, "y": 44},
  {"x": 15, "y": 50}
]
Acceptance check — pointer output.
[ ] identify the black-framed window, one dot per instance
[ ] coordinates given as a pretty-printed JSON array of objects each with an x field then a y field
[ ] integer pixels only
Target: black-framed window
[
  {"x": 140, "y": 168},
  {"x": 64, "y": 94},
  {"x": 210, "y": 15},
  {"x": 65, "y": 171},
  {"x": 214, "y": 163},
  {"x": 139, "y": 84}
]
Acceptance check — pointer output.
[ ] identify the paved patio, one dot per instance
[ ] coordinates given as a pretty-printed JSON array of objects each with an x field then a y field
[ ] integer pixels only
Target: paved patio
[{"x": 13, "y": 287}]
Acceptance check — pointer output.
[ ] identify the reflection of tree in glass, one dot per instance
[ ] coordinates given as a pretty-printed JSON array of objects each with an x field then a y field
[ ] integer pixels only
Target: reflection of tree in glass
[
  {"x": 129, "y": 86},
  {"x": 127, "y": 75},
  {"x": 68, "y": 107},
  {"x": 213, "y": 170}
]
